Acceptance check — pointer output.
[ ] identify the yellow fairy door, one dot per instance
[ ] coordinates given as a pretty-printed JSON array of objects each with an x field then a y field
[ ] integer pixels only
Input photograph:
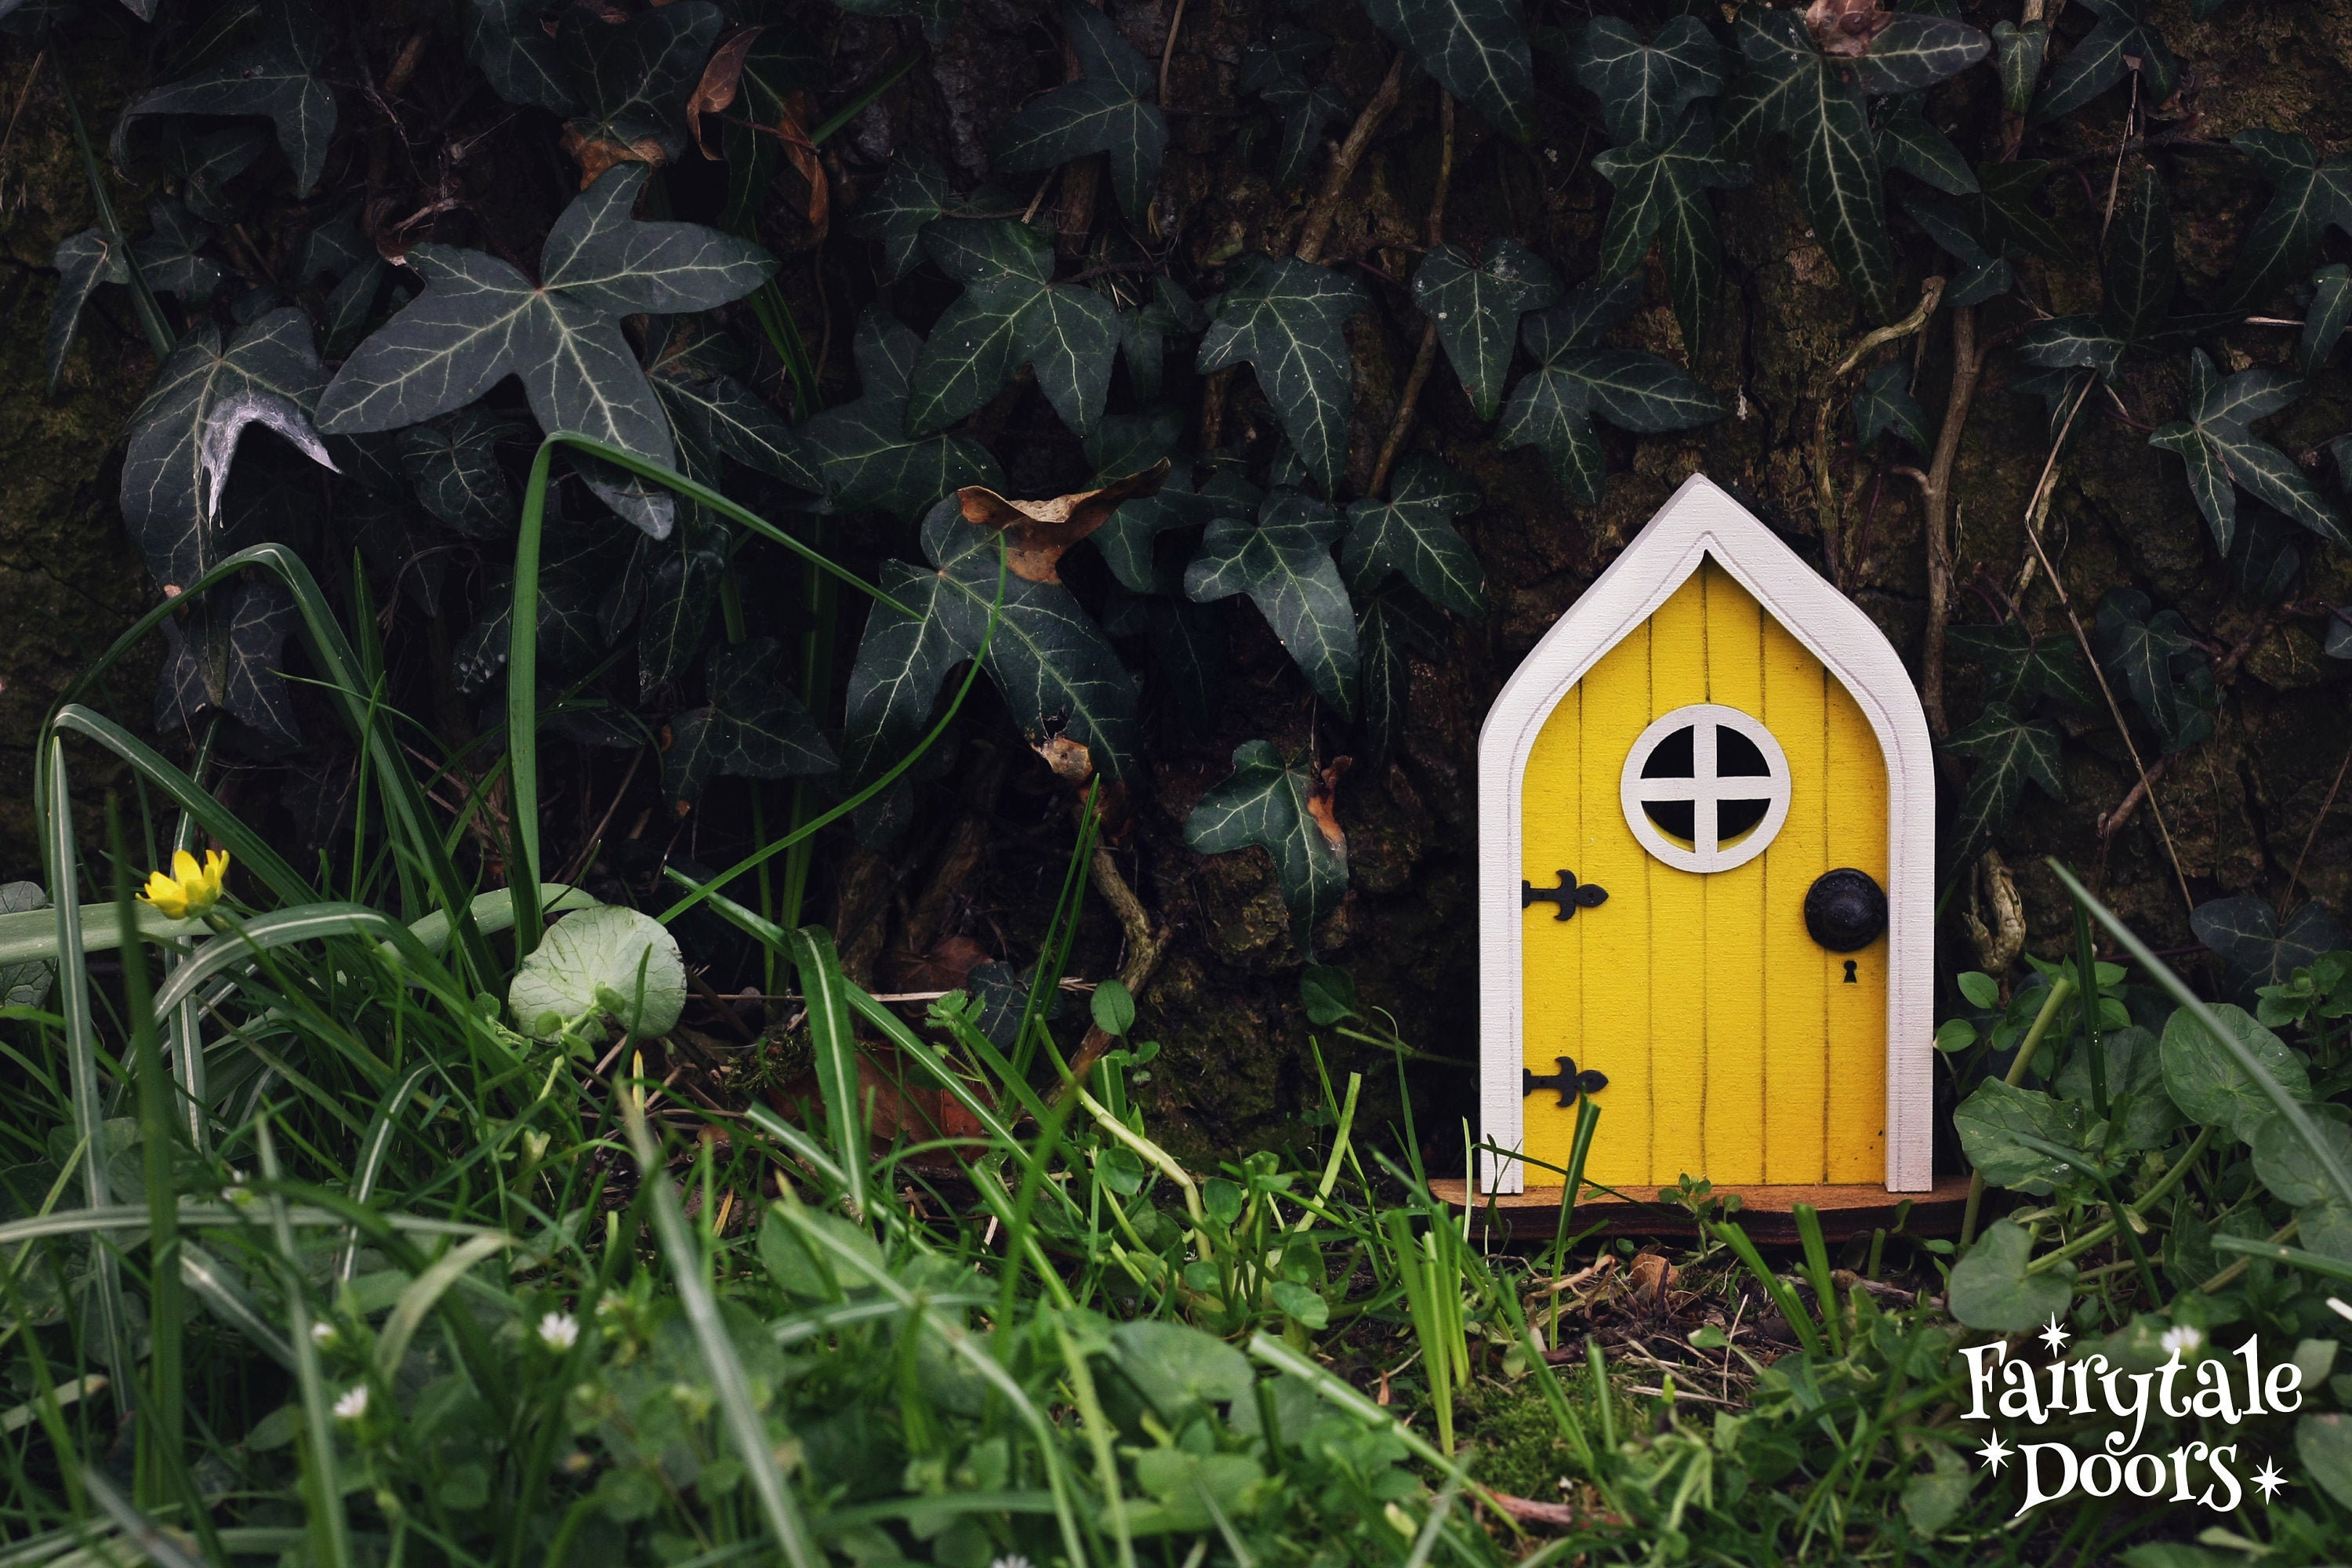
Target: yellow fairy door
[{"x": 1686, "y": 803}]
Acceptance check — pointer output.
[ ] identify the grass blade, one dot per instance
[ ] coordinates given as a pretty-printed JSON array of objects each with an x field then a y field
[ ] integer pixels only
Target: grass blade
[
  {"x": 822, "y": 988},
  {"x": 329, "y": 1528}
]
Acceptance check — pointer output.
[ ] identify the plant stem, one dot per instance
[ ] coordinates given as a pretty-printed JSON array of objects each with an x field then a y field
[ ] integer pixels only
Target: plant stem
[{"x": 2060, "y": 989}]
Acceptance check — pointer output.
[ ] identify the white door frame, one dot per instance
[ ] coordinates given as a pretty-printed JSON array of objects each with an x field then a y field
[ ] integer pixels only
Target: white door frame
[{"x": 1699, "y": 521}]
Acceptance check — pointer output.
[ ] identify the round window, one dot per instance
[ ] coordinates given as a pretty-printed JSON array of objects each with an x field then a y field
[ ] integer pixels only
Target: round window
[{"x": 1705, "y": 788}]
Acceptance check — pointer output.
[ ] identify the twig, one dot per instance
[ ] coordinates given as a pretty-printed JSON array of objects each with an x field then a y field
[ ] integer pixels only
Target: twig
[
  {"x": 23, "y": 93},
  {"x": 580, "y": 862},
  {"x": 1825, "y": 418},
  {"x": 2034, "y": 510},
  {"x": 2295, "y": 876},
  {"x": 1168, "y": 51},
  {"x": 1344, "y": 159},
  {"x": 1424, "y": 359},
  {"x": 1145, "y": 949},
  {"x": 1943, "y": 544}
]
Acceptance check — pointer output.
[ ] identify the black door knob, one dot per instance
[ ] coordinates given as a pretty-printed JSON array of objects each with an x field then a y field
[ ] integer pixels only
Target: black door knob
[{"x": 1844, "y": 909}]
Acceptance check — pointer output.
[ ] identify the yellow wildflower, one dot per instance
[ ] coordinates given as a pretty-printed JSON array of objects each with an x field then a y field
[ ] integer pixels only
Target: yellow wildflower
[{"x": 188, "y": 888}]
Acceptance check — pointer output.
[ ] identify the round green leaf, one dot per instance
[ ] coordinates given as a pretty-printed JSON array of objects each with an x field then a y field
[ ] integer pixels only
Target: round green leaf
[
  {"x": 1114, "y": 1009},
  {"x": 2206, "y": 1082},
  {"x": 1990, "y": 1289},
  {"x": 607, "y": 959}
]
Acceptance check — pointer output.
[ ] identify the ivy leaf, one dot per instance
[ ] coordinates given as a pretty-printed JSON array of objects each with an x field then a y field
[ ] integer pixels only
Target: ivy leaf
[
  {"x": 1283, "y": 563},
  {"x": 1552, "y": 408},
  {"x": 1953, "y": 233},
  {"x": 206, "y": 164},
  {"x": 2018, "y": 53},
  {"x": 1662, "y": 194},
  {"x": 681, "y": 590},
  {"x": 2122, "y": 42},
  {"x": 1103, "y": 111},
  {"x": 2224, "y": 456},
  {"x": 753, "y": 727},
  {"x": 2141, "y": 273},
  {"x": 506, "y": 43},
  {"x": 2020, "y": 668},
  {"x": 1787, "y": 89},
  {"x": 1011, "y": 313},
  {"x": 2006, "y": 215},
  {"x": 631, "y": 77},
  {"x": 1288, "y": 319},
  {"x": 915, "y": 191},
  {"x": 2263, "y": 559},
  {"x": 261, "y": 618},
  {"x": 1906, "y": 142},
  {"x": 453, "y": 467},
  {"x": 2068, "y": 342},
  {"x": 2253, "y": 944},
  {"x": 1037, "y": 533},
  {"x": 2307, "y": 197},
  {"x": 1285, "y": 809},
  {"x": 2323, "y": 322},
  {"x": 712, "y": 412},
  {"x": 173, "y": 463},
  {"x": 1477, "y": 309},
  {"x": 2010, "y": 750},
  {"x": 170, "y": 255},
  {"x": 902, "y": 660},
  {"x": 1477, "y": 50},
  {"x": 479, "y": 320},
  {"x": 2157, "y": 659},
  {"x": 1128, "y": 538},
  {"x": 861, "y": 448},
  {"x": 1392, "y": 628},
  {"x": 1644, "y": 88},
  {"x": 83, "y": 261},
  {"x": 1914, "y": 50},
  {"x": 271, "y": 76},
  {"x": 1056, "y": 670},
  {"x": 1413, "y": 533},
  {"x": 1884, "y": 403}
]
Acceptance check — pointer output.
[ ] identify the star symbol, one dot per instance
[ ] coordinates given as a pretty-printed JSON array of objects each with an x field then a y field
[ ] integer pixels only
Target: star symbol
[
  {"x": 2054, "y": 1336},
  {"x": 1995, "y": 1452},
  {"x": 2270, "y": 1478}
]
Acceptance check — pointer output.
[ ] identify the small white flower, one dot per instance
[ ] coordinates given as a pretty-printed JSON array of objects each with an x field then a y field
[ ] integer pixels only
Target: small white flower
[
  {"x": 354, "y": 1403},
  {"x": 2182, "y": 1340},
  {"x": 558, "y": 1331},
  {"x": 1013, "y": 1560},
  {"x": 323, "y": 1334}
]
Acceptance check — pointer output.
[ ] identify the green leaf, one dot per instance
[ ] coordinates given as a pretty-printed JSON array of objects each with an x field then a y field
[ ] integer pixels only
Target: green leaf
[
  {"x": 1477, "y": 50},
  {"x": 1011, "y": 313},
  {"x": 83, "y": 261},
  {"x": 1112, "y": 1008},
  {"x": 206, "y": 164},
  {"x": 1644, "y": 88},
  {"x": 681, "y": 590},
  {"x": 2307, "y": 197},
  {"x": 915, "y": 191},
  {"x": 2147, "y": 651},
  {"x": 1128, "y": 539},
  {"x": 1884, "y": 403},
  {"x": 1283, "y": 563},
  {"x": 894, "y": 684},
  {"x": 1413, "y": 533},
  {"x": 1285, "y": 809},
  {"x": 2065, "y": 343},
  {"x": 712, "y": 413},
  {"x": 2134, "y": 1079},
  {"x": 861, "y": 448},
  {"x": 599, "y": 256},
  {"x": 1476, "y": 309},
  {"x": 2255, "y": 948},
  {"x": 1662, "y": 194},
  {"x": 608, "y": 959},
  {"x": 1989, "y": 1117},
  {"x": 631, "y": 77},
  {"x": 2018, "y": 53},
  {"x": 1787, "y": 89},
  {"x": 2019, "y": 666},
  {"x": 1991, "y": 1290},
  {"x": 2324, "y": 1444},
  {"x": 1103, "y": 111},
  {"x": 2121, "y": 43},
  {"x": 1178, "y": 1368},
  {"x": 507, "y": 44},
  {"x": 2140, "y": 271},
  {"x": 753, "y": 726},
  {"x": 1915, "y": 50},
  {"x": 2323, "y": 322},
  {"x": 2286, "y": 1164},
  {"x": 1287, "y": 319},
  {"x": 453, "y": 469},
  {"x": 2006, "y": 215},
  {"x": 1393, "y": 627},
  {"x": 2223, "y": 456},
  {"x": 170, "y": 254},
  {"x": 2010, "y": 750},
  {"x": 271, "y": 76},
  {"x": 1326, "y": 992},
  {"x": 1906, "y": 142},
  {"x": 182, "y": 437},
  {"x": 2206, "y": 1082}
]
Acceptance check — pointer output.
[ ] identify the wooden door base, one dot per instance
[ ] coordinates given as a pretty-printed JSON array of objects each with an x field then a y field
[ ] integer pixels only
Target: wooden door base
[{"x": 1764, "y": 1212}]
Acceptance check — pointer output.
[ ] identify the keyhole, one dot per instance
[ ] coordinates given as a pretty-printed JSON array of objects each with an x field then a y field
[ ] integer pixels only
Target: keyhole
[{"x": 1850, "y": 977}]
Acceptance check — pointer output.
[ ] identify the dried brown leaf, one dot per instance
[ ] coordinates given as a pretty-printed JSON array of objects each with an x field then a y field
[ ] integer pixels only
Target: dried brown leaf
[
  {"x": 1072, "y": 762},
  {"x": 1844, "y": 27},
  {"x": 1036, "y": 533},
  {"x": 596, "y": 154},
  {"x": 1321, "y": 804},
  {"x": 721, "y": 80}
]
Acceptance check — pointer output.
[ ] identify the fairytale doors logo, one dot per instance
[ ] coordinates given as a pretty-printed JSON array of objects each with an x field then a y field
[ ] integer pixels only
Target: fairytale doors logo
[{"x": 2208, "y": 1387}]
